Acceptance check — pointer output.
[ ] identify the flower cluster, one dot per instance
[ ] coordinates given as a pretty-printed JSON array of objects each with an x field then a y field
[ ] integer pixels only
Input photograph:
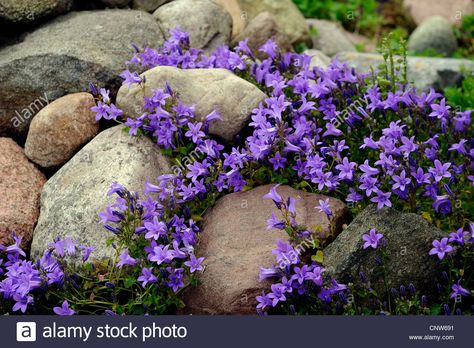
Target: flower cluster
[
  {"x": 152, "y": 241},
  {"x": 455, "y": 254},
  {"x": 329, "y": 130},
  {"x": 294, "y": 278},
  {"x": 315, "y": 122},
  {"x": 26, "y": 282}
]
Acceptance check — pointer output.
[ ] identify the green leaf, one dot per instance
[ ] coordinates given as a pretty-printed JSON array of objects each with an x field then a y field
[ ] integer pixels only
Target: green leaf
[
  {"x": 128, "y": 282},
  {"x": 318, "y": 257},
  {"x": 435, "y": 309}
]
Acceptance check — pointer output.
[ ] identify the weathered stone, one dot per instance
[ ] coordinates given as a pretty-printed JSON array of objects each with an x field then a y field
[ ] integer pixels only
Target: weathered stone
[
  {"x": 73, "y": 197},
  {"x": 66, "y": 54},
  {"x": 235, "y": 243},
  {"x": 60, "y": 129},
  {"x": 26, "y": 11},
  {"x": 288, "y": 16},
  {"x": 360, "y": 42},
  {"x": 424, "y": 72},
  {"x": 233, "y": 7},
  {"x": 408, "y": 238},
  {"x": 148, "y": 5},
  {"x": 329, "y": 37},
  {"x": 436, "y": 34},
  {"x": 207, "y": 23},
  {"x": 452, "y": 10},
  {"x": 208, "y": 89},
  {"x": 20, "y": 186},
  {"x": 263, "y": 27},
  {"x": 318, "y": 59}
]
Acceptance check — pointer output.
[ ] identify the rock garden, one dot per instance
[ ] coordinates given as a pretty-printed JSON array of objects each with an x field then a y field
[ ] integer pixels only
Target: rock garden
[{"x": 236, "y": 157}]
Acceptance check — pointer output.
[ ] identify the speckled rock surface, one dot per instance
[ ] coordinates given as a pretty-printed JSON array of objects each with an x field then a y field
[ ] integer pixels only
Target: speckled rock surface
[
  {"x": 235, "y": 242},
  {"x": 408, "y": 238},
  {"x": 208, "y": 24},
  {"x": 63, "y": 56},
  {"x": 72, "y": 199},
  {"x": 208, "y": 89},
  {"x": 20, "y": 185},
  {"x": 60, "y": 129}
]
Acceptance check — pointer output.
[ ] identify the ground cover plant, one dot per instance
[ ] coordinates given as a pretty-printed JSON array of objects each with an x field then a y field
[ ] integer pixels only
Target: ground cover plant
[{"x": 368, "y": 139}]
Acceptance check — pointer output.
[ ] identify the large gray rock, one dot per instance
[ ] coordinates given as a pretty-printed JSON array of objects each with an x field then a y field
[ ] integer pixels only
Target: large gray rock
[
  {"x": 435, "y": 34},
  {"x": 73, "y": 197},
  {"x": 329, "y": 37},
  {"x": 63, "y": 56},
  {"x": 208, "y": 24},
  {"x": 235, "y": 243},
  {"x": 20, "y": 187},
  {"x": 424, "y": 72},
  {"x": 259, "y": 30},
  {"x": 60, "y": 129},
  {"x": 208, "y": 89},
  {"x": 25, "y": 11},
  {"x": 408, "y": 238},
  {"x": 148, "y": 5},
  {"x": 288, "y": 16}
]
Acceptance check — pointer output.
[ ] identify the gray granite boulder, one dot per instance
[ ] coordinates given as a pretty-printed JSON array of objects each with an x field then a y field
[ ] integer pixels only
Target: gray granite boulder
[
  {"x": 289, "y": 18},
  {"x": 434, "y": 34},
  {"x": 424, "y": 72},
  {"x": 26, "y": 11},
  {"x": 63, "y": 56},
  {"x": 329, "y": 37},
  {"x": 208, "y": 24},
  {"x": 262, "y": 28},
  {"x": 235, "y": 242},
  {"x": 148, "y": 5},
  {"x": 408, "y": 238},
  {"x": 72, "y": 199},
  {"x": 208, "y": 89}
]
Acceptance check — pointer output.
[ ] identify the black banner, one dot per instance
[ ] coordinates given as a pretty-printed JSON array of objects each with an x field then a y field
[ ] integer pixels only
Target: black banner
[{"x": 235, "y": 331}]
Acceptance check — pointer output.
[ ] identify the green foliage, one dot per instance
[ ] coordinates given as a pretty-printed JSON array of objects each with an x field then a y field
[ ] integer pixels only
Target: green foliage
[
  {"x": 430, "y": 52},
  {"x": 465, "y": 36},
  {"x": 355, "y": 15},
  {"x": 394, "y": 69},
  {"x": 463, "y": 96}
]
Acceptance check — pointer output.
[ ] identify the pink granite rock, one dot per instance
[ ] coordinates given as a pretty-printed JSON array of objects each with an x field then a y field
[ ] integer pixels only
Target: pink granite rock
[
  {"x": 452, "y": 10},
  {"x": 20, "y": 185},
  {"x": 235, "y": 243}
]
